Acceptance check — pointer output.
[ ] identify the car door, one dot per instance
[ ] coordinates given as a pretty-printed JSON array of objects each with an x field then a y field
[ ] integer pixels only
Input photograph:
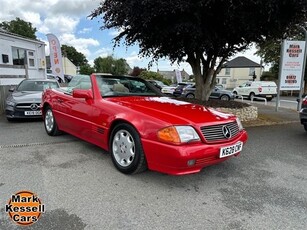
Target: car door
[{"x": 215, "y": 93}]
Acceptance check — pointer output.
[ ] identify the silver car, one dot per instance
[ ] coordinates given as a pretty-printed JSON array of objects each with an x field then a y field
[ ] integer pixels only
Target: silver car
[
  {"x": 24, "y": 100},
  {"x": 217, "y": 93}
]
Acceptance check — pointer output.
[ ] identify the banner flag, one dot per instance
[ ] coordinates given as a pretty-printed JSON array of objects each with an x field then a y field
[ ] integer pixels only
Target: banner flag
[{"x": 55, "y": 56}]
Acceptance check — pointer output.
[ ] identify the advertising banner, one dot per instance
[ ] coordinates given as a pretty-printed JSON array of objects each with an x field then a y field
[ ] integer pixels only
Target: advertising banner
[
  {"x": 178, "y": 76},
  {"x": 292, "y": 65},
  {"x": 55, "y": 56}
]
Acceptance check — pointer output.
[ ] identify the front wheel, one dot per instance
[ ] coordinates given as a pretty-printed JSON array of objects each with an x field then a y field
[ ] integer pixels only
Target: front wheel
[
  {"x": 51, "y": 126},
  {"x": 190, "y": 95},
  {"x": 126, "y": 150}
]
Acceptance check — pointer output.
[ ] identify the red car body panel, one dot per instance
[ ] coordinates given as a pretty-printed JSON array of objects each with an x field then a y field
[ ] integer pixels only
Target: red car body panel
[{"x": 92, "y": 120}]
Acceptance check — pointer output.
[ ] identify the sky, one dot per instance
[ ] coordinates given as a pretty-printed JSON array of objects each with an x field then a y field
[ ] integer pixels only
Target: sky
[{"x": 67, "y": 19}]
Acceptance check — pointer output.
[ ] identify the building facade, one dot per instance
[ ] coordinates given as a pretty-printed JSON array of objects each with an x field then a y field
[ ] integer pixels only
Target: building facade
[
  {"x": 238, "y": 71},
  {"x": 20, "y": 58}
]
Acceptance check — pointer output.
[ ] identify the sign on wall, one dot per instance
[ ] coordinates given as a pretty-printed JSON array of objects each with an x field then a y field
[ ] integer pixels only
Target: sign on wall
[{"x": 292, "y": 65}]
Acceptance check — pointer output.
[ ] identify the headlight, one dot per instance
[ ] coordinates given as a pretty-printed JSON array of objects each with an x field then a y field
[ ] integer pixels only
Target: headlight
[
  {"x": 10, "y": 103},
  {"x": 178, "y": 134},
  {"x": 239, "y": 124}
]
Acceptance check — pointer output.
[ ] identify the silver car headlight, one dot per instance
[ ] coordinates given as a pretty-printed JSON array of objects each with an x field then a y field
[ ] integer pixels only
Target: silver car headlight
[{"x": 239, "y": 124}]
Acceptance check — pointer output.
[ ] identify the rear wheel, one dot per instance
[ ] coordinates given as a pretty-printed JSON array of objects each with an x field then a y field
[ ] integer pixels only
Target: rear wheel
[
  {"x": 225, "y": 98},
  {"x": 51, "y": 126},
  {"x": 251, "y": 96},
  {"x": 126, "y": 150}
]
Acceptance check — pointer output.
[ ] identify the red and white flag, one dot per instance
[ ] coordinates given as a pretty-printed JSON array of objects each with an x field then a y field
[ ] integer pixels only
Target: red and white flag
[{"x": 55, "y": 56}]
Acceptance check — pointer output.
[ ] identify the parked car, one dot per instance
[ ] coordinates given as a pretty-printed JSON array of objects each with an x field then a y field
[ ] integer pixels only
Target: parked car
[
  {"x": 68, "y": 78},
  {"x": 53, "y": 77},
  {"x": 217, "y": 93},
  {"x": 24, "y": 100},
  {"x": 251, "y": 89},
  {"x": 169, "y": 89},
  {"x": 180, "y": 87},
  {"x": 303, "y": 113},
  {"x": 158, "y": 84},
  {"x": 141, "y": 128}
]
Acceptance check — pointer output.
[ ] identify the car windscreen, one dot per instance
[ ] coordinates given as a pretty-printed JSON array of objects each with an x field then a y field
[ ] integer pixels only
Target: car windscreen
[
  {"x": 38, "y": 86},
  {"x": 125, "y": 86}
]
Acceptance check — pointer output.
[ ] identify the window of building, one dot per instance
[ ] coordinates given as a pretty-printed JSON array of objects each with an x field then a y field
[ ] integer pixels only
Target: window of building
[
  {"x": 251, "y": 71},
  {"x": 224, "y": 81},
  {"x": 31, "y": 58},
  {"x": 227, "y": 71},
  {"x": 19, "y": 56}
]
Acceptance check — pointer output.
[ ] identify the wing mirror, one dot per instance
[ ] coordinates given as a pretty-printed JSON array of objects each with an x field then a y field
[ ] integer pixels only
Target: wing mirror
[
  {"x": 11, "y": 89},
  {"x": 82, "y": 93}
]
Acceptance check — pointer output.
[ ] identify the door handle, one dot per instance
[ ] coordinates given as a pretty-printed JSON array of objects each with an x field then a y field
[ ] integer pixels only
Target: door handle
[{"x": 60, "y": 100}]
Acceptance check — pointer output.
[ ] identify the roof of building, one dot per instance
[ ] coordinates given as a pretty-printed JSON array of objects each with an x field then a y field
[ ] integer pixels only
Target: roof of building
[
  {"x": 171, "y": 74},
  {"x": 241, "y": 62},
  {"x": 5, "y": 32}
]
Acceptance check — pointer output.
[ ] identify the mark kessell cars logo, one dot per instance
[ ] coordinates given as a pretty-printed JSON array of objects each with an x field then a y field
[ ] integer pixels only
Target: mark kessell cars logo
[
  {"x": 226, "y": 132},
  {"x": 24, "y": 208}
]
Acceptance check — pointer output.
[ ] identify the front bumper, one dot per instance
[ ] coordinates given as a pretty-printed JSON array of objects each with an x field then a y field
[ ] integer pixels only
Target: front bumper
[
  {"x": 172, "y": 159},
  {"x": 12, "y": 112}
]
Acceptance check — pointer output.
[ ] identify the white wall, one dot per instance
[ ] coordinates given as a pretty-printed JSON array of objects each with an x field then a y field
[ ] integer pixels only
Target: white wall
[{"x": 11, "y": 74}]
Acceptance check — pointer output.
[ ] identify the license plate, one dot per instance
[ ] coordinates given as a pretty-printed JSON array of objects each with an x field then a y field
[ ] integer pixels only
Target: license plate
[
  {"x": 33, "y": 113},
  {"x": 269, "y": 96},
  {"x": 231, "y": 150}
]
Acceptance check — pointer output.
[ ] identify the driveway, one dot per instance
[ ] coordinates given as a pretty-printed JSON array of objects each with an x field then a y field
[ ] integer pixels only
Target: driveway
[{"x": 264, "y": 188}]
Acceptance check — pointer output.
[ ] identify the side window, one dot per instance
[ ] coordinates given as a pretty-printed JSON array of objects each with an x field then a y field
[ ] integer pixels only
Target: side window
[{"x": 79, "y": 82}]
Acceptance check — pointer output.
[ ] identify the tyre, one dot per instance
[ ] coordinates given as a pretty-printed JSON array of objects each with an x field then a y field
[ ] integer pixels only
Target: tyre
[
  {"x": 51, "y": 126},
  {"x": 305, "y": 127},
  {"x": 269, "y": 99},
  {"x": 235, "y": 93},
  {"x": 126, "y": 150},
  {"x": 225, "y": 98},
  {"x": 251, "y": 96},
  {"x": 190, "y": 95}
]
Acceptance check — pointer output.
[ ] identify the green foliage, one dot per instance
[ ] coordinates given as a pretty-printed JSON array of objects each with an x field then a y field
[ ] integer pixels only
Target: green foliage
[
  {"x": 86, "y": 69},
  {"x": 204, "y": 33},
  {"x": 20, "y": 27},
  {"x": 73, "y": 55},
  {"x": 111, "y": 65},
  {"x": 150, "y": 75},
  {"x": 136, "y": 71}
]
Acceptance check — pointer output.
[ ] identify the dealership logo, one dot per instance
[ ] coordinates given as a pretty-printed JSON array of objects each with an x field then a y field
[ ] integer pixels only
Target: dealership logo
[
  {"x": 24, "y": 208},
  {"x": 226, "y": 132}
]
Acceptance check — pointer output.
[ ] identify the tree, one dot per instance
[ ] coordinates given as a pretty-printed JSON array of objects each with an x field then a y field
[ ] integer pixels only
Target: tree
[
  {"x": 20, "y": 27},
  {"x": 111, "y": 65},
  {"x": 86, "y": 69},
  {"x": 150, "y": 75},
  {"x": 204, "y": 33},
  {"x": 136, "y": 71},
  {"x": 73, "y": 55}
]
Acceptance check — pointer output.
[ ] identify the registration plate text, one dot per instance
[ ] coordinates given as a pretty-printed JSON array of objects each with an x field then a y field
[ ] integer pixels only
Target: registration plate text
[
  {"x": 231, "y": 150},
  {"x": 33, "y": 113}
]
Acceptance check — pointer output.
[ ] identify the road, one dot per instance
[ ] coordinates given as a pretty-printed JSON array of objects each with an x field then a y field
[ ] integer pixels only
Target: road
[{"x": 264, "y": 188}]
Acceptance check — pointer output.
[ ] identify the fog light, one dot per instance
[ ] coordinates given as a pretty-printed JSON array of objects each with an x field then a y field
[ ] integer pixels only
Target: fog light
[{"x": 191, "y": 162}]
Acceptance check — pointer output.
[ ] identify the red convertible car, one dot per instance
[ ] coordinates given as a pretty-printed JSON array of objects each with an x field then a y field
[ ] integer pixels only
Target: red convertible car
[{"x": 140, "y": 127}]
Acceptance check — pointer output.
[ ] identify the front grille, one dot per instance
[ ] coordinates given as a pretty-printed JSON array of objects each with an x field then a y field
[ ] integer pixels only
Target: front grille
[
  {"x": 215, "y": 132},
  {"x": 27, "y": 106}
]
